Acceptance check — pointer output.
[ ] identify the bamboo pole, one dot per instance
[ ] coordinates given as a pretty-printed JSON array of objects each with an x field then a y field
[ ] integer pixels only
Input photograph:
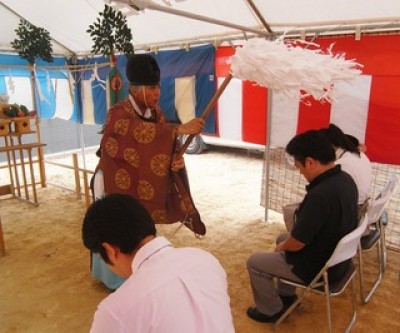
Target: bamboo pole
[
  {"x": 37, "y": 128},
  {"x": 86, "y": 188},
  {"x": 76, "y": 173}
]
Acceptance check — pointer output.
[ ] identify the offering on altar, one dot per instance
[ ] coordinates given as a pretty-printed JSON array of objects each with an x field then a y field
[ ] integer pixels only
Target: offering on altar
[{"x": 15, "y": 114}]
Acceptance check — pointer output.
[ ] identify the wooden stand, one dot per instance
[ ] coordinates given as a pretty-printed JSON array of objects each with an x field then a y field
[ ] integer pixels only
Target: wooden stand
[{"x": 21, "y": 172}]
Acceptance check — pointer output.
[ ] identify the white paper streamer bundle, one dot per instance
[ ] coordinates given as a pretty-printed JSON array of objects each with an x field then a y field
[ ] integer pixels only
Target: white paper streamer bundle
[
  {"x": 292, "y": 69},
  {"x": 11, "y": 85},
  {"x": 40, "y": 93}
]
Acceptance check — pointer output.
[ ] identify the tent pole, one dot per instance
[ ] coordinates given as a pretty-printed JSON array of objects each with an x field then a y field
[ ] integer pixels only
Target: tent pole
[
  {"x": 267, "y": 154},
  {"x": 82, "y": 144},
  {"x": 141, "y": 5},
  {"x": 38, "y": 117},
  {"x": 260, "y": 16}
]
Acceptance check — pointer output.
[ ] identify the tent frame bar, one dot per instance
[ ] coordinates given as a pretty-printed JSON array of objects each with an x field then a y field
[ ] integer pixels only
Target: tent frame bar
[
  {"x": 142, "y": 4},
  {"x": 260, "y": 16},
  {"x": 296, "y": 33}
]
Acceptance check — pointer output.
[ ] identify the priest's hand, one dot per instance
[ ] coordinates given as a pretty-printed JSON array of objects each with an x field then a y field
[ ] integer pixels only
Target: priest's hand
[
  {"x": 177, "y": 164},
  {"x": 194, "y": 126}
]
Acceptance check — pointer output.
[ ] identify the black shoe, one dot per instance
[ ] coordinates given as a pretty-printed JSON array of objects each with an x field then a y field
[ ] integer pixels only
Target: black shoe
[
  {"x": 288, "y": 300},
  {"x": 256, "y": 315}
]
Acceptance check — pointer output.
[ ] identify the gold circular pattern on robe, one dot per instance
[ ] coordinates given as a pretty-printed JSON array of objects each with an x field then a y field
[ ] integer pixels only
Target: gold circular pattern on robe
[
  {"x": 121, "y": 126},
  {"x": 144, "y": 133},
  {"x": 111, "y": 147},
  {"x": 160, "y": 216},
  {"x": 122, "y": 179},
  {"x": 145, "y": 190},
  {"x": 159, "y": 164},
  {"x": 132, "y": 157}
]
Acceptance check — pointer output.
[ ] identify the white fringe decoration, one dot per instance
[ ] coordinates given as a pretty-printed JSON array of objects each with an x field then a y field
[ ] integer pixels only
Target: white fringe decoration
[
  {"x": 49, "y": 85},
  {"x": 39, "y": 90},
  {"x": 97, "y": 76},
  {"x": 290, "y": 68},
  {"x": 11, "y": 85},
  {"x": 71, "y": 85}
]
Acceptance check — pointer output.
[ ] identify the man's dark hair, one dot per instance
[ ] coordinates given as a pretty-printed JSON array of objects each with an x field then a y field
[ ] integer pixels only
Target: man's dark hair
[
  {"x": 117, "y": 219},
  {"x": 312, "y": 144},
  {"x": 340, "y": 140}
]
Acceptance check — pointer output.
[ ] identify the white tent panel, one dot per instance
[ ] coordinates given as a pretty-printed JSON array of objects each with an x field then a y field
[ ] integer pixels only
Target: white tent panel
[
  {"x": 64, "y": 99},
  {"x": 87, "y": 100},
  {"x": 311, "y": 12},
  {"x": 284, "y": 119},
  {"x": 230, "y": 111},
  {"x": 185, "y": 98},
  {"x": 153, "y": 27},
  {"x": 350, "y": 106},
  {"x": 7, "y": 25},
  {"x": 68, "y": 20},
  {"x": 17, "y": 88}
]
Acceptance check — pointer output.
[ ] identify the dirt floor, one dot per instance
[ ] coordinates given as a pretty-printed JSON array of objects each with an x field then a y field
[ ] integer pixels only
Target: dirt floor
[{"x": 45, "y": 283}]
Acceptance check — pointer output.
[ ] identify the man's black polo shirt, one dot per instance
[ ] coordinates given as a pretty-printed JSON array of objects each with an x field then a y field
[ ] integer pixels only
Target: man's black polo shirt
[{"x": 327, "y": 213}]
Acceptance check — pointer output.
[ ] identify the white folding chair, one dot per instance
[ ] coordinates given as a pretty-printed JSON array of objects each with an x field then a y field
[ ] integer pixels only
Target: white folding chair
[
  {"x": 390, "y": 186},
  {"x": 376, "y": 237},
  {"x": 345, "y": 249}
]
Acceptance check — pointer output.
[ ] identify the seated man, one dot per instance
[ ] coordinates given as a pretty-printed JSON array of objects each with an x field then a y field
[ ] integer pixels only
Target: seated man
[
  {"x": 167, "y": 289},
  {"x": 327, "y": 213}
]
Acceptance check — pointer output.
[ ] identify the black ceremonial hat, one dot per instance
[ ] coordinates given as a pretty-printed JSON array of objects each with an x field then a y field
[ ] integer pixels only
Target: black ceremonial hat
[{"x": 142, "y": 69}]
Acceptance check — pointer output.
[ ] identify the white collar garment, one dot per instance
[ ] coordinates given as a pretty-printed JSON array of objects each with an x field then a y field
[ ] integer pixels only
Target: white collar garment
[
  {"x": 146, "y": 114},
  {"x": 170, "y": 290},
  {"x": 147, "y": 250},
  {"x": 339, "y": 152}
]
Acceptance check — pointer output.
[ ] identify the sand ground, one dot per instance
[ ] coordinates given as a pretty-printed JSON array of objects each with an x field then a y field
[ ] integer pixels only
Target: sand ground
[{"x": 45, "y": 283}]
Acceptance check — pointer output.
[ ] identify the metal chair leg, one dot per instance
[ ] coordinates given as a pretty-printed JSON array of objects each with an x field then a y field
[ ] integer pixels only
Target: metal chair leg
[
  {"x": 354, "y": 301},
  {"x": 366, "y": 297},
  {"x": 383, "y": 220},
  {"x": 328, "y": 303}
]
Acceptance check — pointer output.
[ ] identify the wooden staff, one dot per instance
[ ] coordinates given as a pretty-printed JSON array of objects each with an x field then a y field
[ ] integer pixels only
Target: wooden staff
[{"x": 206, "y": 112}]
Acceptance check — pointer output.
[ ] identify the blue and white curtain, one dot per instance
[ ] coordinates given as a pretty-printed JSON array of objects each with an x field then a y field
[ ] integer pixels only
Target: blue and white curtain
[{"x": 79, "y": 94}]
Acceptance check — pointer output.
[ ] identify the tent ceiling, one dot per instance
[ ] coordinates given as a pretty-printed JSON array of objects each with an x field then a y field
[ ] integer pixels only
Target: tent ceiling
[{"x": 67, "y": 20}]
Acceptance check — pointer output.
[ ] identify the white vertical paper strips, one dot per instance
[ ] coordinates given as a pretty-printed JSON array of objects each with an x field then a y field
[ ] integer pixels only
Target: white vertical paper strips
[{"x": 287, "y": 67}]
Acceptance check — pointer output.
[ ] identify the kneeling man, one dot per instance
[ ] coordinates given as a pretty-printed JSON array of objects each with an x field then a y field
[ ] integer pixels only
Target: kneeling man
[{"x": 167, "y": 289}]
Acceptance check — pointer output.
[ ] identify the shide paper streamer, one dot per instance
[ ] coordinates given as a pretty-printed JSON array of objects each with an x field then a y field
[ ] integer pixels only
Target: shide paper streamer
[{"x": 293, "y": 67}]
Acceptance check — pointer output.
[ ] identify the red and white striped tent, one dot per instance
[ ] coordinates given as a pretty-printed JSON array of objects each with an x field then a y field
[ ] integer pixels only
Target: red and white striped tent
[
  {"x": 366, "y": 30},
  {"x": 368, "y": 107}
]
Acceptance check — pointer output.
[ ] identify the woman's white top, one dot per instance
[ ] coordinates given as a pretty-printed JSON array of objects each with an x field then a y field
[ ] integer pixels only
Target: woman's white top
[{"x": 359, "y": 168}]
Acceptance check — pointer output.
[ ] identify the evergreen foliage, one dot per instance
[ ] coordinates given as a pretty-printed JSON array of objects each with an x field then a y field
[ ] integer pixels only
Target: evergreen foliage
[
  {"x": 110, "y": 33},
  {"x": 32, "y": 43}
]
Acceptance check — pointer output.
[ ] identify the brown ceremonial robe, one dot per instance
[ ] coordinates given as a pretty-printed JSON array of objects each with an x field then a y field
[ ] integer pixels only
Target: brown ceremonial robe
[{"x": 136, "y": 158}]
